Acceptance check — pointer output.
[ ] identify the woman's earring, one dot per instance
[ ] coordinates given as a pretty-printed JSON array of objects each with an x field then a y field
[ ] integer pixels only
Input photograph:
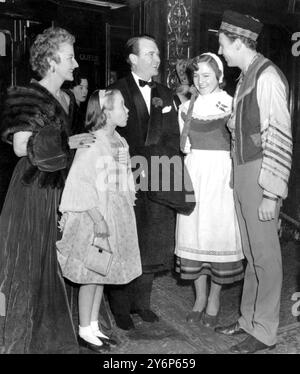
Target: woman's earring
[{"x": 52, "y": 69}]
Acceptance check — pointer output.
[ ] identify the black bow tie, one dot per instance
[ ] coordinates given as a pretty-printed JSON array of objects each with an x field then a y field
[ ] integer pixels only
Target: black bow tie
[{"x": 144, "y": 83}]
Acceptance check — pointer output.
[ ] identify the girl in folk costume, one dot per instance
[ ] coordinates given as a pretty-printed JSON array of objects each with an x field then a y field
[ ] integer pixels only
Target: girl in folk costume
[
  {"x": 208, "y": 241},
  {"x": 34, "y": 313},
  {"x": 98, "y": 201}
]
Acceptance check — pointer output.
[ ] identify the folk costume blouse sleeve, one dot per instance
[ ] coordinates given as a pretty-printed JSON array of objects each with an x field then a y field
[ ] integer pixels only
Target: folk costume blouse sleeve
[{"x": 276, "y": 135}]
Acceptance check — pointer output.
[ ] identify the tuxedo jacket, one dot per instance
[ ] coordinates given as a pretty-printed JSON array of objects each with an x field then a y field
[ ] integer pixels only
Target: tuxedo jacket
[{"x": 155, "y": 134}]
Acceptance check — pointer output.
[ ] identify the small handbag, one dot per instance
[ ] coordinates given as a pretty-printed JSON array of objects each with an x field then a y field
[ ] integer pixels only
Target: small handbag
[{"x": 99, "y": 256}]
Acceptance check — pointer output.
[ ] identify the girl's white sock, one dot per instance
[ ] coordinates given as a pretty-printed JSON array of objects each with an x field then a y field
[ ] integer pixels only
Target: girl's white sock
[
  {"x": 87, "y": 334},
  {"x": 96, "y": 331}
]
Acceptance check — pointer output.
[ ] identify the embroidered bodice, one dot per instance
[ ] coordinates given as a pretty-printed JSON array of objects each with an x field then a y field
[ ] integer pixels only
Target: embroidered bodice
[{"x": 208, "y": 129}]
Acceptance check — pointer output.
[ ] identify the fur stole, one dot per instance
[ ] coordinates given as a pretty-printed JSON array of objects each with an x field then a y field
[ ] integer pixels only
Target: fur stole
[
  {"x": 34, "y": 109},
  {"x": 29, "y": 108}
]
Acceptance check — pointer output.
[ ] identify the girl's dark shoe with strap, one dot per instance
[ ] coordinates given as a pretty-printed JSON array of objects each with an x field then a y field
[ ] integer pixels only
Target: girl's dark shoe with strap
[{"x": 93, "y": 347}]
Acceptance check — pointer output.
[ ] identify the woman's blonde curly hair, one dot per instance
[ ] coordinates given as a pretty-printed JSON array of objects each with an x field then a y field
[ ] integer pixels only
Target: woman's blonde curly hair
[{"x": 45, "y": 48}]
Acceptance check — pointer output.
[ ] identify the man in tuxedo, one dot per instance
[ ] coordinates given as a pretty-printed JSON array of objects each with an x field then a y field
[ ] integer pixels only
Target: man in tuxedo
[{"x": 152, "y": 130}]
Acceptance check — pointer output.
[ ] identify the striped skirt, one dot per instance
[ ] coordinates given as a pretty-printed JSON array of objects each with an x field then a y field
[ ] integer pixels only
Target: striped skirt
[{"x": 220, "y": 272}]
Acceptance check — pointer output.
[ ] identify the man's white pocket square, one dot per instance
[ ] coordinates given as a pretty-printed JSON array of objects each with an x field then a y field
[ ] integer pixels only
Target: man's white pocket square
[{"x": 166, "y": 109}]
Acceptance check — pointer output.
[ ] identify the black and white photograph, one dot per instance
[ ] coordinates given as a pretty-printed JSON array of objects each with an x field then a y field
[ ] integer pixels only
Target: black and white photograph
[{"x": 149, "y": 180}]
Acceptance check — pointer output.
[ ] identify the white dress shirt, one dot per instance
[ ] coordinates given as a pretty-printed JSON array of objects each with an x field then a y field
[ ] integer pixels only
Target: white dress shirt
[{"x": 145, "y": 91}]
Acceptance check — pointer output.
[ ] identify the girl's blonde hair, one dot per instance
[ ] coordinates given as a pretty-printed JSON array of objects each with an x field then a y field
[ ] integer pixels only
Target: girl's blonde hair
[{"x": 95, "y": 117}]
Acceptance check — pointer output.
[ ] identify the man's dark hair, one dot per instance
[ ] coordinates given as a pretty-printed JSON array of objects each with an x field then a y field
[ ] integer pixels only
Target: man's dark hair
[{"x": 133, "y": 46}]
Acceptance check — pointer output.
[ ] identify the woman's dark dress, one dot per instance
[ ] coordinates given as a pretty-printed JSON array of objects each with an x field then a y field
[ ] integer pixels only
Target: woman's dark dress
[{"x": 38, "y": 318}]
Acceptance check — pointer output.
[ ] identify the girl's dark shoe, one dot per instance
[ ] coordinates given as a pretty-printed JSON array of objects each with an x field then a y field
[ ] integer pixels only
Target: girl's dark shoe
[
  {"x": 209, "y": 320},
  {"x": 110, "y": 341},
  {"x": 194, "y": 316},
  {"x": 96, "y": 348},
  {"x": 106, "y": 339}
]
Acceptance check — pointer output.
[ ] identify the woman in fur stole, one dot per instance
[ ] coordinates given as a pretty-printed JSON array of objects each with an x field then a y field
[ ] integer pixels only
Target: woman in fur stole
[{"x": 34, "y": 312}]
